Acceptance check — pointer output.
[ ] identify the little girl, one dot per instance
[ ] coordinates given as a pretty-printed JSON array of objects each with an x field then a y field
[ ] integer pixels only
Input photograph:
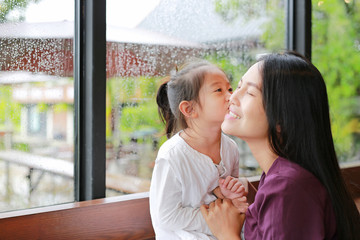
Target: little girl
[{"x": 193, "y": 104}]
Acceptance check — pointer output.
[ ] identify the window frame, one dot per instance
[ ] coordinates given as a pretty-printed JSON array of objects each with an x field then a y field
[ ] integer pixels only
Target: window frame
[
  {"x": 298, "y": 26},
  {"x": 90, "y": 99}
]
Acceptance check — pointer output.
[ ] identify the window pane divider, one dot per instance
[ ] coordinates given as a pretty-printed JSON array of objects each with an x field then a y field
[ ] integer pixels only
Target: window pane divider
[
  {"x": 90, "y": 103},
  {"x": 298, "y": 26}
]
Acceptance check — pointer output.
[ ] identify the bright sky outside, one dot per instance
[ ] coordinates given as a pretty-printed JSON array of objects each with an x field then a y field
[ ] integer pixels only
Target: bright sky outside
[{"x": 124, "y": 13}]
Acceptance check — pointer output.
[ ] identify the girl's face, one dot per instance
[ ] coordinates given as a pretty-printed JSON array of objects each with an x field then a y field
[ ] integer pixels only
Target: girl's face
[
  {"x": 214, "y": 97},
  {"x": 246, "y": 117}
]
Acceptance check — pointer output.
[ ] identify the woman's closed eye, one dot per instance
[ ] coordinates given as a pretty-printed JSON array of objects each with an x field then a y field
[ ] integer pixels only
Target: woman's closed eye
[{"x": 251, "y": 94}]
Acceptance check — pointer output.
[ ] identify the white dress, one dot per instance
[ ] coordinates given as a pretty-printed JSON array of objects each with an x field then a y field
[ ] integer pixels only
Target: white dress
[{"x": 183, "y": 179}]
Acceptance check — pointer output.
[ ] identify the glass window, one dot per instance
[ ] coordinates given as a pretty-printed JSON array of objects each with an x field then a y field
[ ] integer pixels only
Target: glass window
[
  {"x": 36, "y": 103},
  {"x": 145, "y": 44},
  {"x": 336, "y": 52}
]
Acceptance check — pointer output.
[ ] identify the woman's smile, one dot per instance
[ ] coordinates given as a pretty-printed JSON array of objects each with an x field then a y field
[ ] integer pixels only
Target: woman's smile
[{"x": 232, "y": 115}]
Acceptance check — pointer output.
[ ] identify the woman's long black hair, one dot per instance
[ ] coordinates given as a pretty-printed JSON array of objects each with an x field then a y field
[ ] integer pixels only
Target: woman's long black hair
[{"x": 296, "y": 105}]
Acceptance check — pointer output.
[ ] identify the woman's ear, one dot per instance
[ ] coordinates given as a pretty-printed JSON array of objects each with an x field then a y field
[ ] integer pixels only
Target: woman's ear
[
  {"x": 278, "y": 128},
  {"x": 187, "y": 109}
]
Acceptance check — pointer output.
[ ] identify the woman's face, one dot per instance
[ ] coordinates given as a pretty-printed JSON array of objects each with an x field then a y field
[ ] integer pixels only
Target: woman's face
[{"x": 246, "y": 117}]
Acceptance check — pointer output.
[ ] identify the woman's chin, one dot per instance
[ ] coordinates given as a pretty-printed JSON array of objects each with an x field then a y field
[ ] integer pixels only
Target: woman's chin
[{"x": 227, "y": 128}]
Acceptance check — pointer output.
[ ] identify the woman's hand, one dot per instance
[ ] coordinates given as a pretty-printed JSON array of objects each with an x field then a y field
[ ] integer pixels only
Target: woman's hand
[
  {"x": 223, "y": 219},
  {"x": 241, "y": 204}
]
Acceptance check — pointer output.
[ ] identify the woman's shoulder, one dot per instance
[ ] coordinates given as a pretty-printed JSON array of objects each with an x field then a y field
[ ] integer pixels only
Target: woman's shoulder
[
  {"x": 290, "y": 178},
  {"x": 287, "y": 170}
]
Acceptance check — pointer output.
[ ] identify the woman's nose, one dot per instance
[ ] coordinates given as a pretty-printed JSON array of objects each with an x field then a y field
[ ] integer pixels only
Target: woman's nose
[{"x": 234, "y": 98}]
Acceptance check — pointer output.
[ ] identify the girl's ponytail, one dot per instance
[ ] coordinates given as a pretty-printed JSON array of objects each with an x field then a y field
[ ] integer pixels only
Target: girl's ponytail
[{"x": 166, "y": 116}]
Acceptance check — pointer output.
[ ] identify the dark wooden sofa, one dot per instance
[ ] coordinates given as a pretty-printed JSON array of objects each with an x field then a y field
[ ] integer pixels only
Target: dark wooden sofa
[{"x": 123, "y": 217}]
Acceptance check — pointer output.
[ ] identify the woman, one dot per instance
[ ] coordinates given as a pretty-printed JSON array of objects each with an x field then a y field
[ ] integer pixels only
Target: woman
[{"x": 280, "y": 109}]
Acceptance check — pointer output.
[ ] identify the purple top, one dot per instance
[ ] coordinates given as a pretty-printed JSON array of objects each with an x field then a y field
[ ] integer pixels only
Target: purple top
[{"x": 291, "y": 203}]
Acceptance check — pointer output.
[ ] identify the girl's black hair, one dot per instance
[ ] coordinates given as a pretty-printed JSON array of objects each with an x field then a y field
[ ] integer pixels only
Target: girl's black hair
[
  {"x": 297, "y": 109},
  {"x": 164, "y": 110},
  {"x": 183, "y": 85}
]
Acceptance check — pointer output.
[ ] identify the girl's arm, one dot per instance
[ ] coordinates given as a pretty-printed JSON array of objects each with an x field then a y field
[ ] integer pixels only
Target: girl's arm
[{"x": 166, "y": 202}]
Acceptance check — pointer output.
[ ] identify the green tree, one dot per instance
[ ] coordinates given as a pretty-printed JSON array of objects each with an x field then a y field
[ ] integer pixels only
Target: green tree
[
  {"x": 9, "y": 111},
  {"x": 235, "y": 63},
  {"x": 230, "y": 10},
  {"x": 336, "y": 52},
  {"x": 6, "y": 6},
  {"x": 131, "y": 106}
]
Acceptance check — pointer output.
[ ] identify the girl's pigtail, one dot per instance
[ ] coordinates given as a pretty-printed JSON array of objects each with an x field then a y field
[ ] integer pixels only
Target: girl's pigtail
[{"x": 166, "y": 116}]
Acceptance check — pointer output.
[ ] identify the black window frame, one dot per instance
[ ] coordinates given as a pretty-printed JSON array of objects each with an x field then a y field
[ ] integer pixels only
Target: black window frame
[
  {"x": 89, "y": 100},
  {"x": 90, "y": 86}
]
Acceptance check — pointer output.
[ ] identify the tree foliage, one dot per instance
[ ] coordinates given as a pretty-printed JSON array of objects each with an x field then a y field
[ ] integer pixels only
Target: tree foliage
[
  {"x": 6, "y": 6},
  {"x": 10, "y": 111},
  {"x": 336, "y": 52},
  {"x": 131, "y": 105},
  {"x": 230, "y": 10}
]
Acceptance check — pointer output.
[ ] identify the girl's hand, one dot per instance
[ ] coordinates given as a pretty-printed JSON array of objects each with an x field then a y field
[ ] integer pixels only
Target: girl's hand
[
  {"x": 232, "y": 187},
  {"x": 217, "y": 193},
  {"x": 223, "y": 219}
]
